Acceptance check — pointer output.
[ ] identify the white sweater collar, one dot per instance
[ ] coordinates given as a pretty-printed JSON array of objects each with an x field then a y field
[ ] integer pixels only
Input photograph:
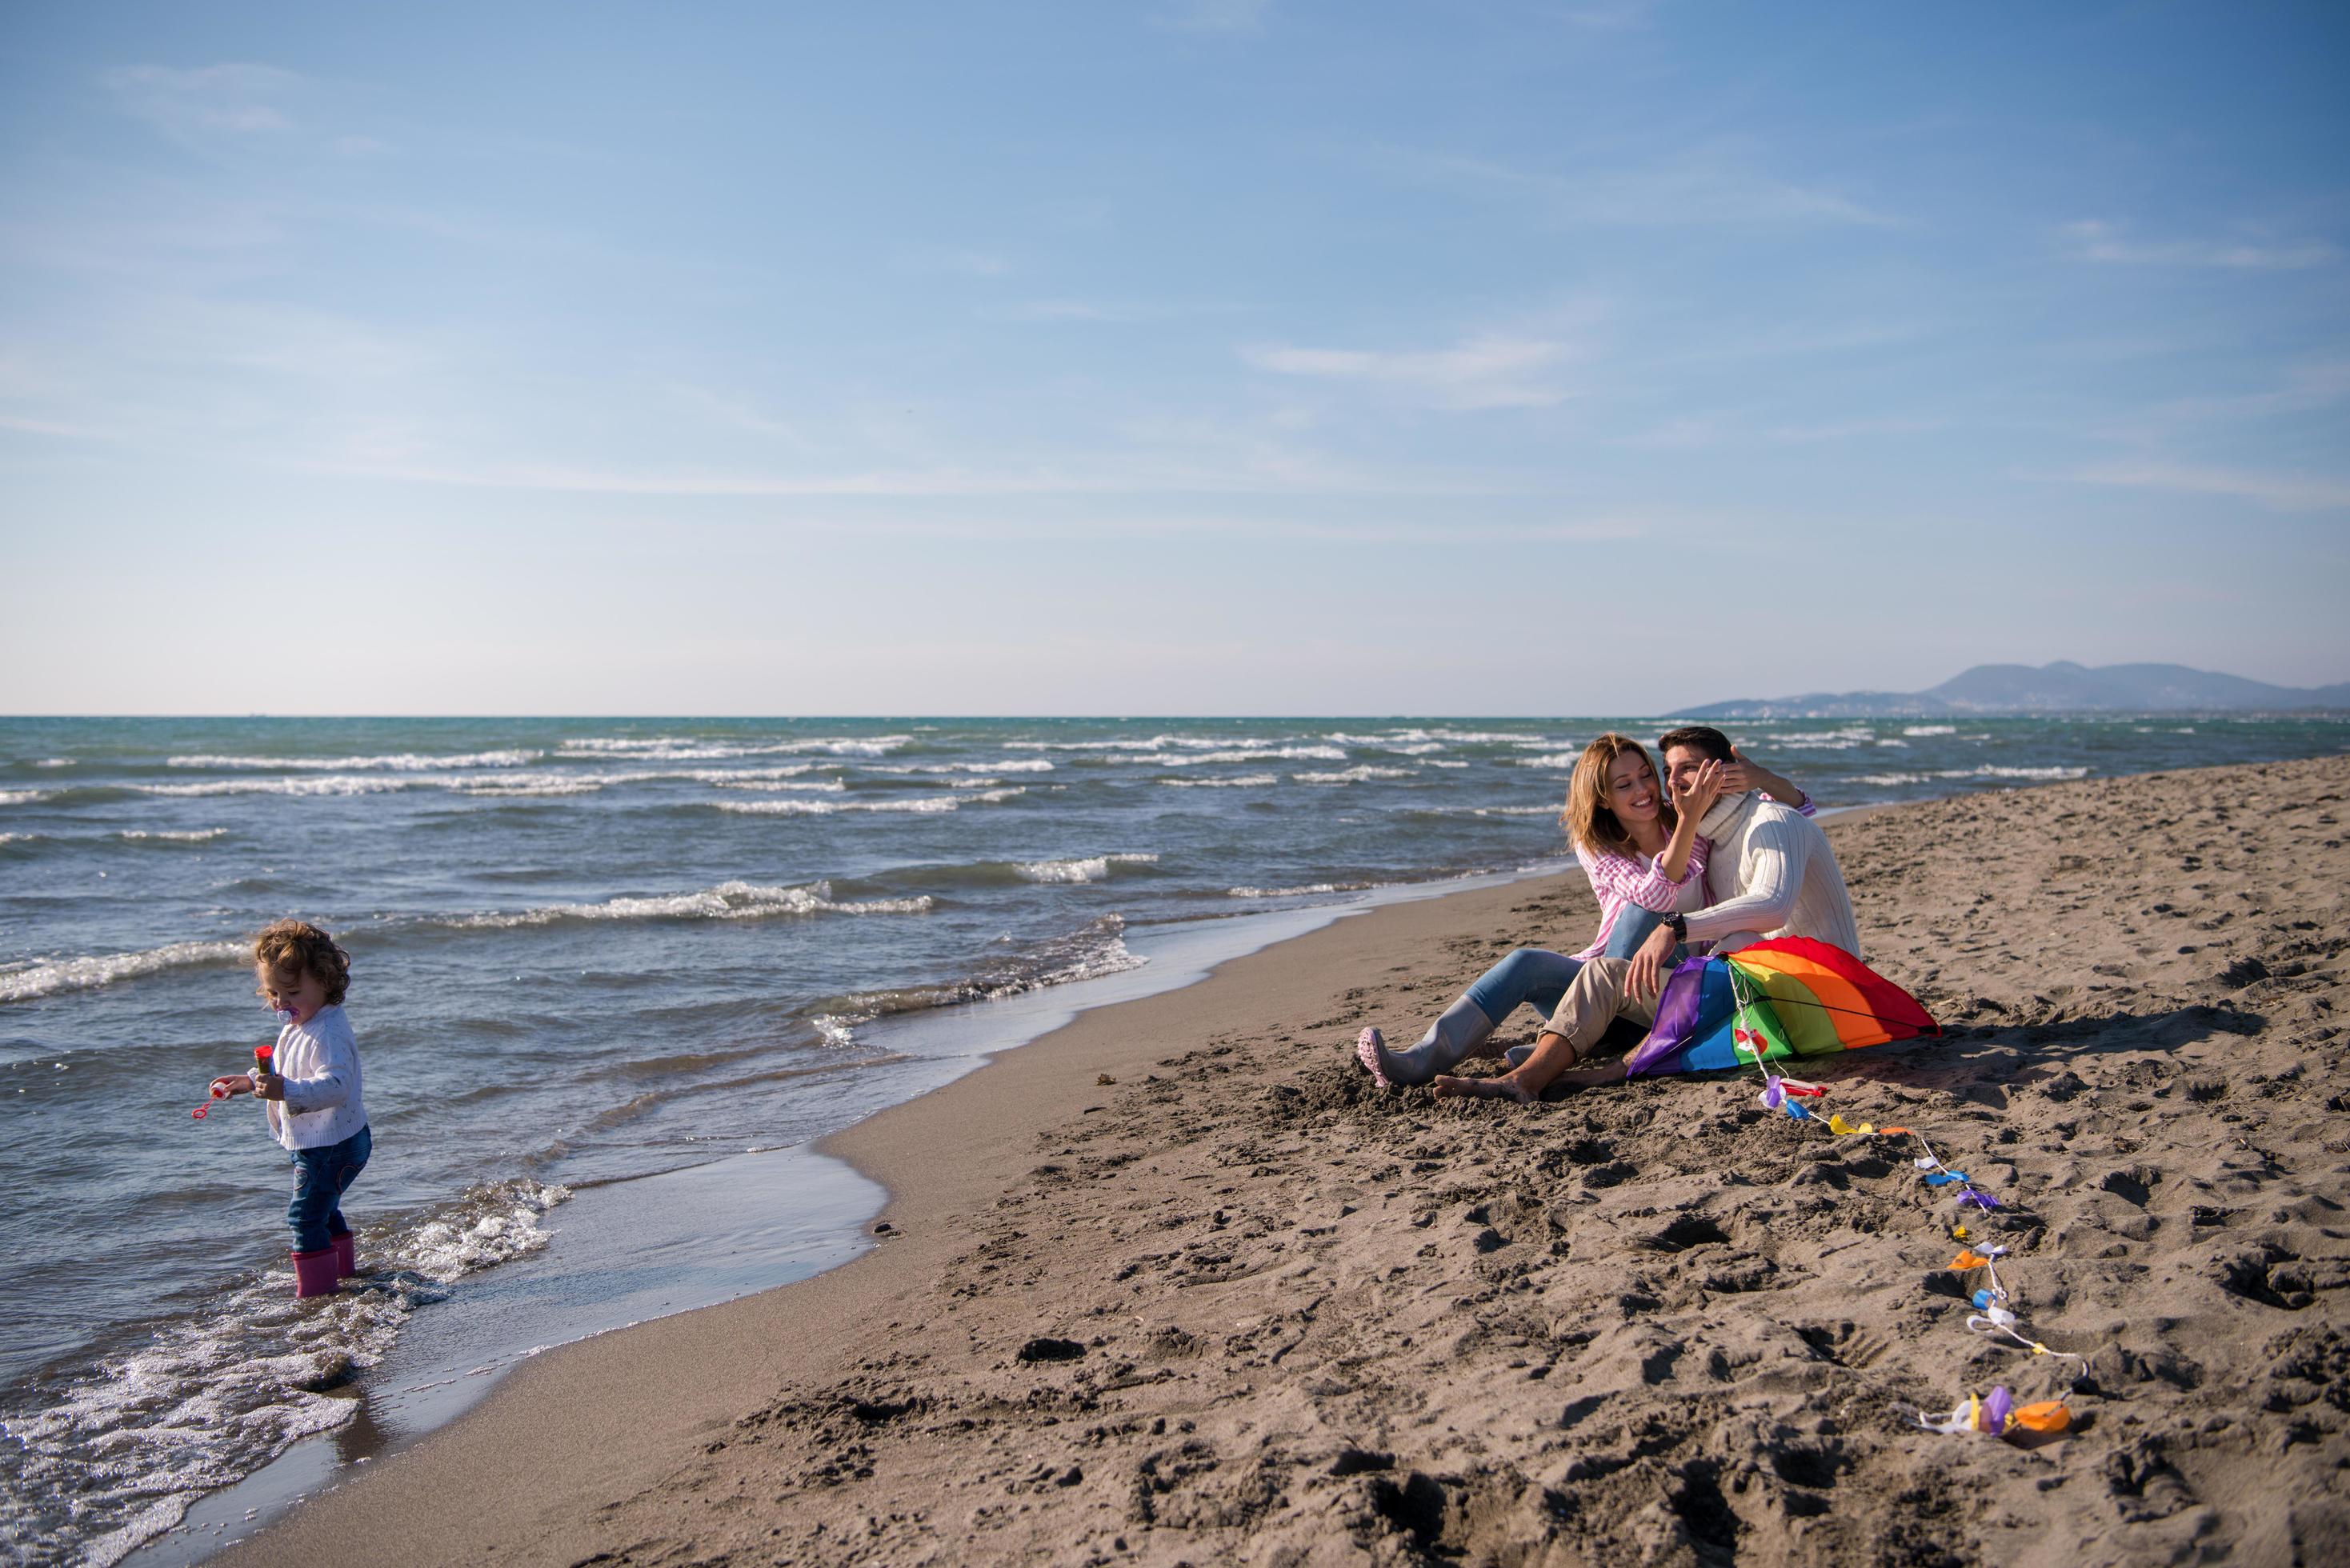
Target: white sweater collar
[{"x": 1725, "y": 816}]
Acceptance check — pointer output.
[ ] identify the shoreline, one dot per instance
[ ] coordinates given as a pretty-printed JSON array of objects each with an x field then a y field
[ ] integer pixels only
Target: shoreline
[
  {"x": 622, "y": 1434},
  {"x": 1017, "y": 1095},
  {"x": 551, "y": 1299}
]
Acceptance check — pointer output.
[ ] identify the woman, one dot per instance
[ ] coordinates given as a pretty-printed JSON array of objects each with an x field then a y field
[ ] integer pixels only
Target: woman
[{"x": 1641, "y": 852}]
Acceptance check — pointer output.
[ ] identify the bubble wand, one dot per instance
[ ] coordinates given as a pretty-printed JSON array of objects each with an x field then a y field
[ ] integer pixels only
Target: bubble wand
[{"x": 265, "y": 1057}]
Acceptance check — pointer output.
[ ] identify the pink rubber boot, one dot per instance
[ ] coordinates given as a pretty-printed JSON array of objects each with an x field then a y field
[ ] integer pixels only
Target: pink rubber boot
[
  {"x": 314, "y": 1273},
  {"x": 347, "y": 1255}
]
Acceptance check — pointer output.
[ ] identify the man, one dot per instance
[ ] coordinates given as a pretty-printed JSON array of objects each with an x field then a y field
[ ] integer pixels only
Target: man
[{"x": 1780, "y": 879}]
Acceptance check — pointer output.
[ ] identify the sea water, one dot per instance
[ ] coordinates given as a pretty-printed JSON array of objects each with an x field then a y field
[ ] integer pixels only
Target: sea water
[{"x": 588, "y": 953}]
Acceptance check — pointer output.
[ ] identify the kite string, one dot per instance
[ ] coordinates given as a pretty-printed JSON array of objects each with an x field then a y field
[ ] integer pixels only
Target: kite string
[{"x": 1996, "y": 1312}]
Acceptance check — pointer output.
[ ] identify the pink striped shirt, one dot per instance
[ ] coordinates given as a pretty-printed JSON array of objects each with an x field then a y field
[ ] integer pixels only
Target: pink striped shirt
[{"x": 1618, "y": 881}]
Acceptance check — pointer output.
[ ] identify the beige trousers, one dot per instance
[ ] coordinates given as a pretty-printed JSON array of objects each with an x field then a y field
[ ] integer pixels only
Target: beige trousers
[{"x": 1596, "y": 998}]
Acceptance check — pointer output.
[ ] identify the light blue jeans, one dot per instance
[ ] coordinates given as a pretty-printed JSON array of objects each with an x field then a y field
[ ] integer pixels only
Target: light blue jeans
[{"x": 1528, "y": 975}]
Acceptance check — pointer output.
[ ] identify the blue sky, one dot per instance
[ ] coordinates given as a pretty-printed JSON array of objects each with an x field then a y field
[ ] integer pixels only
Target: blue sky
[{"x": 1234, "y": 355}]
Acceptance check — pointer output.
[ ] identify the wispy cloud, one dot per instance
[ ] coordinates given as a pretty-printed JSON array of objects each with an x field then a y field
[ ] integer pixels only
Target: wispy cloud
[
  {"x": 2279, "y": 491},
  {"x": 1717, "y": 182},
  {"x": 1256, "y": 525},
  {"x": 1255, "y": 468},
  {"x": 2094, "y": 241},
  {"x": 224, "y": 108},
  {"x": 1489, "y": 371},
  {"x": 241, "y": 99},
  {"x": 2307, "y": 387}
]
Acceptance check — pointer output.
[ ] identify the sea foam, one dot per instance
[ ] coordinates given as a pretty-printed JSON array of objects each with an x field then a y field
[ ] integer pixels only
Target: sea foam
[
  {"x": 1091, "y": 868},
  {"x": 1005, "y": 765},
  {"x": 727, "y": 902},
  {"x": 1360, "y": 774},
  {"x": 322, "y": 784},
  {"x": 673, "y": 748},
  {"x": 114, "y": 1457},
  {"x": 924, "y": 806},
  {"x": 401, "y": 761},
  {"x": 1990, "y": 770},
  {"x": 54, "y": 975},
  {"x": 1244, "y": 754}
]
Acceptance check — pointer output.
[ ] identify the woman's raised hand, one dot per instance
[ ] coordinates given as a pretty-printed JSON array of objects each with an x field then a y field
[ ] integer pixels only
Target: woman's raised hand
[
  {"x": 1742, "y": 773},
  {"x": 1700, "y": 790}
]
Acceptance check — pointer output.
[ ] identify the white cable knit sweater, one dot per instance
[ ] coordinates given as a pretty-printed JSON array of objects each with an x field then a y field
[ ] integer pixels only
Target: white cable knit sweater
[{"x": 1777, "y": 875}]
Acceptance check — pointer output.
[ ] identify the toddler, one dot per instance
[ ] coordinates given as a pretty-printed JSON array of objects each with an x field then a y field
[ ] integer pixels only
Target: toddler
[{"x": 311, "y": 1094}]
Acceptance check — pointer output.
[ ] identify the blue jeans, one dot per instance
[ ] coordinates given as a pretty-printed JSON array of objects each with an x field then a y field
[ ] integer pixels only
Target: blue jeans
[
  {"x": 1541, "y": 977},
  {"x": 1632, "y": 929},
  {"x": 321, "y": 1176},
  {"x": 1528, "y": 975}
]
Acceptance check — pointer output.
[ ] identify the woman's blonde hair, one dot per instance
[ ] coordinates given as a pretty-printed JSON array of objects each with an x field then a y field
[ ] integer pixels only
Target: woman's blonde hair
[{"x": 1587, "y": 819}]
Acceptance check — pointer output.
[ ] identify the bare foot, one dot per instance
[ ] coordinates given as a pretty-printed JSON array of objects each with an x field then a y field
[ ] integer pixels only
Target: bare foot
[{"x": 1504, "y": 1087}]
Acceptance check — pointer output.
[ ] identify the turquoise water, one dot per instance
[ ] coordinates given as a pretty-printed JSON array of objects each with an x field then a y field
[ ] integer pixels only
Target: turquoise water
[{"x": 587, "y": 951}]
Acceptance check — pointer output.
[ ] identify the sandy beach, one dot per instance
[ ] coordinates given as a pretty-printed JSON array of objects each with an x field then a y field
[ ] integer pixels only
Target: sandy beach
[{"x": 1176, "y": 1284}]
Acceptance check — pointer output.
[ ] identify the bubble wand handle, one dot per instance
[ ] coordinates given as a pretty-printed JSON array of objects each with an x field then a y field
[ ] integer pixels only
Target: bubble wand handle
[{"x": 264, "y": 1060}]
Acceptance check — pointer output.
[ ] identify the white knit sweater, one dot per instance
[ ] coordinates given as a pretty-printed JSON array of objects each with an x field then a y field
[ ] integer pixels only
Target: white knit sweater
[{"x": 1776, "y": 876}]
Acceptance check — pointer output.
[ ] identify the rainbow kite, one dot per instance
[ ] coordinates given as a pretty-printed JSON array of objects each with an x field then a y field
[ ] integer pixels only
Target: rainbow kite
[{"x": 1788, "y": 996}]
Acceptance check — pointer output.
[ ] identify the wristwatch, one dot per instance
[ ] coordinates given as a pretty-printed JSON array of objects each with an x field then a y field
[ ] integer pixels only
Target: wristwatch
[{"x": 1677, "y": 923}]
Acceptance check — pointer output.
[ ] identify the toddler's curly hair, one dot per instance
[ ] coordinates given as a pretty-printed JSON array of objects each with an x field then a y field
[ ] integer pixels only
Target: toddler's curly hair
[{"x": 300, "y": 946}]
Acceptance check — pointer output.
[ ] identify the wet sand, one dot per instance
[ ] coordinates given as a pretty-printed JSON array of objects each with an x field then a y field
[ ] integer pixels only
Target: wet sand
[{"x": 1175, "y": 1283}]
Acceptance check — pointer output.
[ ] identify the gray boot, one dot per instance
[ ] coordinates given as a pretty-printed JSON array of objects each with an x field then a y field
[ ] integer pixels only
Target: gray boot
[{"x": 1462, "y": 1029}]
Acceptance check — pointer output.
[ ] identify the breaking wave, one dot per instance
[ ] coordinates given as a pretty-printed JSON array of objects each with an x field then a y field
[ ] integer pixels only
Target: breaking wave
[
  {"x": 1005, "y": 765},
  {"x": 1310, "y": 889},
  {"x": 1099, "y": 950},
  {"x": 727, "y": 902},
  {"x": 1991, "y": 771},
  {"x": 1242, "y": 755},
  {"x": 672, "y": 748},
  {"x": 54, "y": 975},
  {"x": 114, "y": 1457},
  {"x": 401, "y": 761},
  {"x": 1090, "y": 868},
  {"x": 924, "y": 806},
  {"x": 1361, "y": 774}
]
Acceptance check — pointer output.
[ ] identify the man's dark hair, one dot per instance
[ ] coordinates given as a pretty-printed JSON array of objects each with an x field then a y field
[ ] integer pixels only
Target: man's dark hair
[{"x": 1703, "y": 738}]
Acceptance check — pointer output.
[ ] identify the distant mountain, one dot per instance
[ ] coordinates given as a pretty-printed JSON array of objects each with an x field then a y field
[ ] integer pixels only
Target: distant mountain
[{"x": 2060, "y": 687}]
